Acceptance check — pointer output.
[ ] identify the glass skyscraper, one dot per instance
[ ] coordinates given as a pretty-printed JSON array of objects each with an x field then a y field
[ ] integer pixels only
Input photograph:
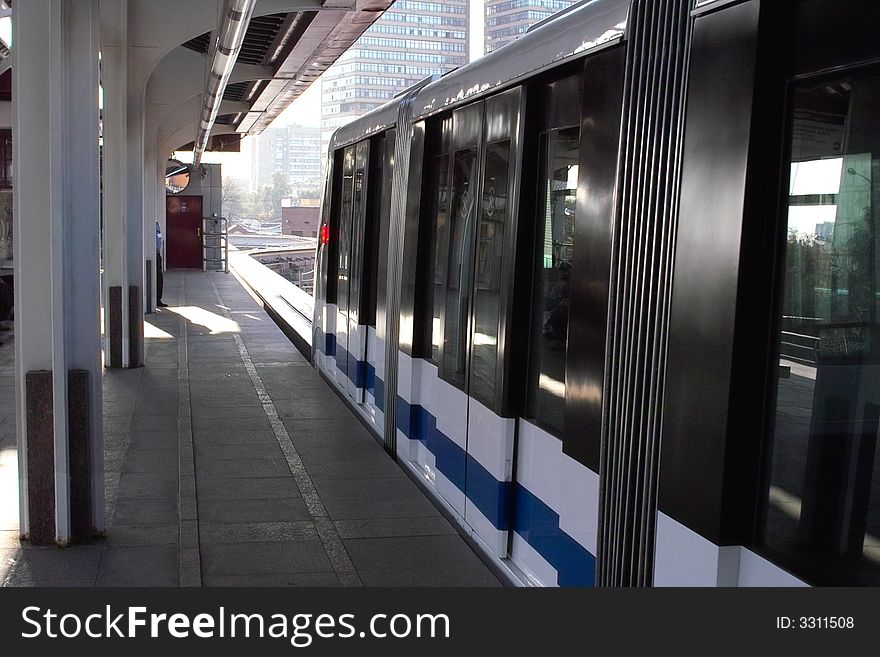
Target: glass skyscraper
[
  {"x": 412, "y": 40},
  {"x": 507, "y": 19}
]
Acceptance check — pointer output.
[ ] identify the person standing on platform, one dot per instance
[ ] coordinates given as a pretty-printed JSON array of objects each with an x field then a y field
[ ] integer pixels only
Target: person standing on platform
[{"x": 159, "y": 245}]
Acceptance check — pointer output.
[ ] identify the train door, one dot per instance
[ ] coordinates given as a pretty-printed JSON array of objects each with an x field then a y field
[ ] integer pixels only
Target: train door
[
  {"x": 355, "y": 301},
  {"x": 821, "y": 490},
  {"x": 491, "y": 432},
  {"x": 375, "y": 277},
  {"x": 343, "y": 263},
  {"x": 467, "y": 451},
  {"x": 351, "y": 335}
]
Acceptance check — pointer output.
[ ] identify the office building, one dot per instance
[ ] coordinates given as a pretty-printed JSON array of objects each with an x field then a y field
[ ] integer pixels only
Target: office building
[
  {"x": 411, "y": 41},
  {"x": 292, "y": 150},
  {"x": 508, "y": 19}
]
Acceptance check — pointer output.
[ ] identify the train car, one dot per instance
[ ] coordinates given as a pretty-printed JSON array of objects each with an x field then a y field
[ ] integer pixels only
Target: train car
[{"x": 609, "y": 293}]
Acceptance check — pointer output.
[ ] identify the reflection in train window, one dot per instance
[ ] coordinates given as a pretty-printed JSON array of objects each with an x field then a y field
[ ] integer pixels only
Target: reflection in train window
[
  {"x": 356, "y": 233},
  {"x": 459, "y": 264},
  {"x": 333, "y": 228},
  {"x": 490, "y": 248},
  {"x": 344, "y": 247},
  {"x": 559, "y": 150},
  {"x": 823, "y": 511},
  {"x": 439, "y": 244},
  {"x": 374, "y": 216}
]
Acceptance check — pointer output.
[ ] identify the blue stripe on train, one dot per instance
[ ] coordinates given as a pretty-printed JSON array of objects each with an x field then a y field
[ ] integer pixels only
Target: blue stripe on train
[
  {"x": 355, "y": 370},
  {"x": 499, "y": 501},
  {"x": 330, "y": 344},
  {"x": 538, "y": 525},
  {"x": 535, "y": 522},
  {"x": 365, "y": 373},
  {"x": 378, "y": 390}
]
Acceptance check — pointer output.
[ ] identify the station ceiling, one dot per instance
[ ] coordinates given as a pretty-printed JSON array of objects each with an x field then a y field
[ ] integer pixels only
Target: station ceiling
[{"x": 296, "y": 47}]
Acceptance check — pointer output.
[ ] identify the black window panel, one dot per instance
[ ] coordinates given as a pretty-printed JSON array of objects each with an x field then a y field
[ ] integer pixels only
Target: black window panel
[
  {"x": 440, "y": 246},
  {"x": 344, "y": 249},
  {"x": 384, "y": 229},
  {"x": 411, "y": 336},
  {"x": 559, "y": 152},
  {"x": 465, "y": 138},
  {"x": 459, "y": 266},
  {"x": 369, "y": 281},
  {"x": 335, "y": 214},
  {"x": 427, "y": 246},
  {"x": 719, "y": 309},
  {"x": 846, "y": 30},
  {"x": 572, "y": 143},
  {"x": 437, "y": 204},
  {"x": 823, "y": 495},
  {"x": 601, "y": 101},
  {"x": 358, "y": 220},
  {"x": 492, "y": 236}
]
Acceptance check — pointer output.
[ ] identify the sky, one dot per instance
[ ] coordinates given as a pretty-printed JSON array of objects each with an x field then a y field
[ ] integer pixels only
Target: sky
[{"x": 306, "y": 110}]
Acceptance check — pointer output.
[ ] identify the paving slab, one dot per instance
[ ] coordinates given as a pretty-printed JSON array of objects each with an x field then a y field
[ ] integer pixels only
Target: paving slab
[{"x": 203, "y": 489}]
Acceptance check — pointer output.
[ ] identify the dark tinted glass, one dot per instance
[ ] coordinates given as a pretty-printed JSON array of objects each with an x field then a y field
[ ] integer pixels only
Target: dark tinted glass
[
  {"x": 334, "y": 221},
  {"x": 343, "y": 269},
  {"x": 357, "y": 234},
  {"x": 557, "y": 193},
  {"x": 490, "y": 249},
  {"x": 459, "y": 265},
  {"x": 823, "y": 511},
  {"x": 440, "y": 244},
  {"x": 384, "y": 231},
  {"x": 374, "y": 217}
]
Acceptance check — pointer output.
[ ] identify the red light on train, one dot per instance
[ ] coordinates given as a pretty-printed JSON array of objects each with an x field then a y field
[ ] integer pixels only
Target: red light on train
[{"x": 325, "y": 234}]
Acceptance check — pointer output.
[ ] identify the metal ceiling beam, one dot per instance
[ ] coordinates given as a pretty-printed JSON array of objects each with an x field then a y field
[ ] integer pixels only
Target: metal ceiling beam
[{"x": 228, "y": 45}]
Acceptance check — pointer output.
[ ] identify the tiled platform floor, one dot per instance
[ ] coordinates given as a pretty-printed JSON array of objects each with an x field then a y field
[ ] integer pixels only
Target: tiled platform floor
[{"x": 230, "y": 462}]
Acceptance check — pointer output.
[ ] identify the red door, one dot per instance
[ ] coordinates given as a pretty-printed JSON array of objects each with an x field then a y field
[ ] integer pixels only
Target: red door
[{"x": 183, "y": 247}]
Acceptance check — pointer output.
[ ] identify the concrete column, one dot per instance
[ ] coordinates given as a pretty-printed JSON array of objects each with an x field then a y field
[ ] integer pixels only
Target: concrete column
[
  {"x": 151, "y": 216},
  {"x": 135, "y": 219},
  {"x": 114, "y": 76},
  {"x": 56, "y": 214}
]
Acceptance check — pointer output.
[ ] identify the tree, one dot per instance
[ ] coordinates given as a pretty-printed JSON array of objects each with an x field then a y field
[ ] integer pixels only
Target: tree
[
  {"x": 233, "y": 198},
  {"x": 278, "y": 189}
]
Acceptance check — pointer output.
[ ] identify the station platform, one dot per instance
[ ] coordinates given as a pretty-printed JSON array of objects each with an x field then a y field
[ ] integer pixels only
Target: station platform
[{"x": 229, "y": 461}]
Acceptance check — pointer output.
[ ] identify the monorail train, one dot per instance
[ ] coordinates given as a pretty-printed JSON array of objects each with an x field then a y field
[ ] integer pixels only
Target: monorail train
[{"x": 610, "y": 293}]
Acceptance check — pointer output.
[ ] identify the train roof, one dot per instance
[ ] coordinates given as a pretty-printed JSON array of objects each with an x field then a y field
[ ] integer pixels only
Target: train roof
[{"x": 583, "y": 27}]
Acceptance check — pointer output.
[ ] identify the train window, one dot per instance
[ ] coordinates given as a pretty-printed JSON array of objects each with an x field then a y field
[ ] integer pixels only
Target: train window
[
  {"x": 375, "y": 200},
  {"x": 435, "y": 239},
  {"x": 357, "y": 235},
  {"x": 458, "y": 268},
  {"x": 440, "y": 245},
  {"x": 822, "y": 517},
  {"x": 383, "y": 237},
  {"x": 344, "y": 247},
  {"x": 333, "y": 228},
  {"x": 555, "y": 224},
  {"x": 490, "y": 249}
]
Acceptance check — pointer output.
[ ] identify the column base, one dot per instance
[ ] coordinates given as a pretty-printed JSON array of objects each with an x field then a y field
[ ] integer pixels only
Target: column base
[
  {"x": 135, "y": 327},
  {"x": 114, "y": 315},
  {"x": 40, "y": 446},
  {"x": 148, "y": 286},
  {"x": 79, "y": 436}
]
